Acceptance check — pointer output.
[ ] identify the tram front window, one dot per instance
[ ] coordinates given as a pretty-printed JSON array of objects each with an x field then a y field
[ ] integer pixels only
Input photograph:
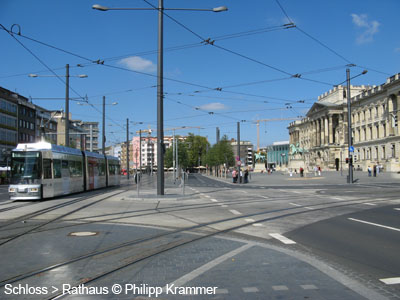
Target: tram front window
[{"x": 25, "y": 167}]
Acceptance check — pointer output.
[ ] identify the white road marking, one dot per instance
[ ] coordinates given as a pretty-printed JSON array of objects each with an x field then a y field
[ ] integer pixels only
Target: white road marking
[
  {"x": 307, "y": 207},
  {"x": 393, "y": 280},
  {"x": 265, "y": 197},
  {"x": 258, "y": 225},
  {"x": 337, "y": 198},
  {"x": 250, "y": 289},
  {"x": 235, "y": 212},
  {"x": 244, "y": 192},
  {"x": 214, "y": 200},
  {"x": 369, "y": 203},
  {"x": 208, "y": 266},
  {"x": 396, "y": 208},
  {"x": 294, "y": 204},
  {"x": 250, "y": 220},
  {"x": 280, "y": 288},
  {"x": 282, "y": 238},
  {"x": 375, "y": 224},
  {"x": 296, "y": 192},
  {"x": 221, "y": 291},
  {"x": 309, "y": 287},
  {"x": 207, "y": 196}
]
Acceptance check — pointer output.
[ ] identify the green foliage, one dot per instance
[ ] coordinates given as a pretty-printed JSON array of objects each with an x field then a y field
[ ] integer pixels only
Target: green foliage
[
  {"x": 197, "y": 148},
  {"x": 220, "y": 154},
  {"x": 182, "y": 156}
]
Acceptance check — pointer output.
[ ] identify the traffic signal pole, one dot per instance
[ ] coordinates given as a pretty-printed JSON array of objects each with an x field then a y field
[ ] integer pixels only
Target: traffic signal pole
[{"x": 350, "y": 138}]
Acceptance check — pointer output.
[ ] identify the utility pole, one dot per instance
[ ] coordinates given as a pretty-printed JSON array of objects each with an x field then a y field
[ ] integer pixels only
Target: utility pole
[
  {"x": 238, "y": 148},
  {"x": 177, "y": 157},
  {"x": 173, "y": 155},
  {"x": 160, "y": 101},
  {"x": 217, "y": 135},
  {"x": 350, "y": 139},
  {"x": 140, "y": 149},
  {"x": 104, "y": 126},
  {"x": 91, "y": 138},
  {"x": 67, "y": 106},
  {"x": 127, "y": 147}
]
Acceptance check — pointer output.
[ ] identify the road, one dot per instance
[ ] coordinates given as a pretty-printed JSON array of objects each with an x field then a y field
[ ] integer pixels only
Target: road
[{"x": 275, "y": 238}]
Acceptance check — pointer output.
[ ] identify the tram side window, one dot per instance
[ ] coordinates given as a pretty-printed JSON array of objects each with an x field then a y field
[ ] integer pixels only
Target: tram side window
[
  {"x": 57, "y": 168},
  {"x": 102, "y": 168},
  {"x": 78, "y": 167},
  {"x": 47, "y": 168}
]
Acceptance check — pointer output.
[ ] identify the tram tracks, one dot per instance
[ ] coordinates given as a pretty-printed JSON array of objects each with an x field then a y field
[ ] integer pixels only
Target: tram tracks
[
  {"x": 25, "y": 217},
  {"x": 160, "y": 243}
]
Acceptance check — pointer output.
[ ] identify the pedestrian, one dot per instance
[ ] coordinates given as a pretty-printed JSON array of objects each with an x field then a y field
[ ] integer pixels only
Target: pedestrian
[
  {"x": 246, "y": 176},
  {"x": 369, "y": 171},
  {"x": 315, "y": 171},
  {"x": 240, "y": 176},
  {"x": 234, "y": 178},
  {"x": 374, "y": 170},
  {"x": 319, "y": 171},
  {"x": 301, "y": 172}
]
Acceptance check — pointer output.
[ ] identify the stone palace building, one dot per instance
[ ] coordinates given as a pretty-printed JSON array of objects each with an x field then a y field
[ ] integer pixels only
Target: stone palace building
[{"x": 321, "y": 139}]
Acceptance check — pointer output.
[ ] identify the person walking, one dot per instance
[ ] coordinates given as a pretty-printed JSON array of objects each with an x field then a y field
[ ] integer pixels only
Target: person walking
[
  {"x": 301, "y": 172},
  {"x": 374, "y": 170},
  {"x": 369, "y": 171},
  {"x": 234, "y": 178},
  {"x": 246, "y": 176}
]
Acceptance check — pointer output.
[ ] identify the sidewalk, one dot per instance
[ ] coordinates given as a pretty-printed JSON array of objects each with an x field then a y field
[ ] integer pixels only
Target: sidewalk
[{"x": 326, "y": 178}]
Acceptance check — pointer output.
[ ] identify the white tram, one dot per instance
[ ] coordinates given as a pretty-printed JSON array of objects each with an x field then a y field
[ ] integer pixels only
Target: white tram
[{"x": 42, "y": 170}]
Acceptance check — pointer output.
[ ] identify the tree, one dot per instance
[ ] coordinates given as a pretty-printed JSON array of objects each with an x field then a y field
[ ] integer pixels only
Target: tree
[
  {"x": 221, "y": 153},
  {"x": 182, "y": 155},
  {"x": 197, "y": 148}
]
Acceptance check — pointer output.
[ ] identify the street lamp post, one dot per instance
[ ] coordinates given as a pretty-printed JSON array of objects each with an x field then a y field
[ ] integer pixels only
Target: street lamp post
[
  {"x": 160, "y": 78},
  {"x": 349, "y": 129}
]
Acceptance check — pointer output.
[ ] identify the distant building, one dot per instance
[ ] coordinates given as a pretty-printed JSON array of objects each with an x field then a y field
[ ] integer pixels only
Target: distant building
[
  {"x": 322, "y": 138},
  {"x": 91, "y": 130},
  {"x": 246, "y": 151},
  {"x": 8, "y": 124},
  {"x": 278, "y": 155},
  {"x": 46, "y": 126},
  {"x": 26, "y": 120}
]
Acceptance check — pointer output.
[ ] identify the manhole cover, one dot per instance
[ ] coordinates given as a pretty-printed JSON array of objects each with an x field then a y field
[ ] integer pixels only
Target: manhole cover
[{"x": 83, "y": 233}]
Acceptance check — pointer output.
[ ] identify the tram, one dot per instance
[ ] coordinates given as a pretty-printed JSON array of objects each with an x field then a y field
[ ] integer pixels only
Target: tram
[{"x": 43, "y": 170}]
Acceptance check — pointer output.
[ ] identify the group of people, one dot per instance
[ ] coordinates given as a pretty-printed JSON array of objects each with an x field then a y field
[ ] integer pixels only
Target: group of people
[
  {"x": 376, "y": 169},
  {"x": 239, "y": 176}
]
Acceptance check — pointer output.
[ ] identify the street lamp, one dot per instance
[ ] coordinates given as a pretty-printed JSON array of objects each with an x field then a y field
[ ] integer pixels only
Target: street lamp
[
  {"x": 104, "y": 122},
  {"x": 67, "y": 76},
  {"x": 160, "y": 79}
]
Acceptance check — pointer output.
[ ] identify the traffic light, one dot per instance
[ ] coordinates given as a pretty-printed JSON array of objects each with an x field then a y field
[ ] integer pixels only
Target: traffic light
[
  {"x": 347, "y": 160},
  {"x": 395, "y": 121}
]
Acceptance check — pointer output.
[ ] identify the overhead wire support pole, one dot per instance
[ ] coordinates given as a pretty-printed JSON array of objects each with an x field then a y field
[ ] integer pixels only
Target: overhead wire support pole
[
  {"x": 238, "y": 149},
  {"x": 104, "y": 127},
  {"x": 160, "y": 106},
  {"x": 349, "y": 133},
  {"x": 127, "y": 148},
  {"x": 67, "y": 105}
]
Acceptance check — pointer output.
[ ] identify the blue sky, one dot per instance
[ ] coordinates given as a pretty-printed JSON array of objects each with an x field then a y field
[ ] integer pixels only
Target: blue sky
[{"x": 247, "y": 74}]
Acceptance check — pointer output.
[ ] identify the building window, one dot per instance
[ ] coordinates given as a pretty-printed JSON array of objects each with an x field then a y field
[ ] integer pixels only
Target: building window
[
  {"x": 377, "y": 131},
  {"x": 393, "y": 150},
  {"x": 383, "y": 152}
]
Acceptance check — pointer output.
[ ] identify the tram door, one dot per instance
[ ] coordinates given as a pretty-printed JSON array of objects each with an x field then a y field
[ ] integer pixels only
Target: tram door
[{"x": 91, "y": 176}]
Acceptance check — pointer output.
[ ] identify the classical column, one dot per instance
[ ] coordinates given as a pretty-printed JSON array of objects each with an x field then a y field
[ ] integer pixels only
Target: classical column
[
  {"x": 326, "y": 127},
  {"x": 398, "y": 114},
  {"x": 318, "y": 133},
  {"x": 322, "y": 130},
  {"x": 330, "y": 129}
]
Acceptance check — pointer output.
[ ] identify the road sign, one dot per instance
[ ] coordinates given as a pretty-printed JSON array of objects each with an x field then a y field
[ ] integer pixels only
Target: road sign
[{"x": 351, "y": 149}]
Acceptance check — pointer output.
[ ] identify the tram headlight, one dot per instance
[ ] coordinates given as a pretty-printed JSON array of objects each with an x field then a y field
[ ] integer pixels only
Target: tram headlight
[
  {"x": 11, "y": 190},
  {"x": 34, "y": 190}
]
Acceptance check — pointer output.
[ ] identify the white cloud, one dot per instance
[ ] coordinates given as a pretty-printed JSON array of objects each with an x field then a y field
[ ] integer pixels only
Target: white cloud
[
  {"x": 137, "y": 63},
  {"x": 213, "y": 106},
  {"x": 370, "y": 28}
]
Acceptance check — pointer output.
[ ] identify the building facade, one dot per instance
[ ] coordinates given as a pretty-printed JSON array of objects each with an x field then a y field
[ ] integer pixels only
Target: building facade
[
  {"x": 91, "y": 131},
  {"x": 246, "y": 152},
  {"x": 278, "y": 155},
  {"x": 321, "y": 139},
  {"x": 8, "y": 124},
  {"x": 46, "y": 126}
]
